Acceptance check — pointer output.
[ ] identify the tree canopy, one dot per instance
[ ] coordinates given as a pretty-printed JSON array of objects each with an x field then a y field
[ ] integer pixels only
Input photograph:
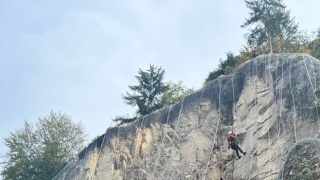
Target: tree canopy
[
  {"x": 225, "y": 67},
  {"x": 270, "y": 23},
  {"x": 41, "y": 151},
  {"x": 174, "y": 93},
  {"x": 269, "y": 26},
  {"x": 146, "y": 95},
  {"x": 151, "y": 93}
]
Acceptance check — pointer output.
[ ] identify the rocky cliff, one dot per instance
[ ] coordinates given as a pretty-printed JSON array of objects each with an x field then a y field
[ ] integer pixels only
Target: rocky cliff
[{"x": 268, "y": 102}]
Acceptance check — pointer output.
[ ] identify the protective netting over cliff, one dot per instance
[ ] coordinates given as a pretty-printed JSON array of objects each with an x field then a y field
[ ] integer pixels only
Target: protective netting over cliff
[
  {"x": 268, "y": 102},
  {"x": 302, "y": 161}
]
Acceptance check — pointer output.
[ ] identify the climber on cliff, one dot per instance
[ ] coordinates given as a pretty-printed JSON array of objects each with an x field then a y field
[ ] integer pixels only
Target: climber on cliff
[
  {"x": 231, "y": 140},
  {"x": 255, "y": 53}
]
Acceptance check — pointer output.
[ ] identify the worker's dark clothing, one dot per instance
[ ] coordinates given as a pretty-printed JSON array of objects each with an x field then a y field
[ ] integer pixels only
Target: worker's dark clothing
[
  {"x": 255, "y": 54},
  {"x": 234, "y": 146}
]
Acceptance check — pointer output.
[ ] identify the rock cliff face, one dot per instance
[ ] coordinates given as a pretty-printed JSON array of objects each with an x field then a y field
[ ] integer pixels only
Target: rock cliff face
[{"x": 268, "y": 102}]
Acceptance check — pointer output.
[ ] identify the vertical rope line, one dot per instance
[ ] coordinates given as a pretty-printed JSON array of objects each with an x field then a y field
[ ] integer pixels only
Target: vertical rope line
[
  {"x": 117, "y": 149},
  {"x": 217, "y": 128},
  {"x": 266, "y": 101},
  {"x": 278, "y": 126},
  {"x": 256, "y": 124},
  {"x": 234, "y": 105},
  {"x": 193, "y": 142},
  {"x": 256, "y": 102},
  {"x": 56, "y": 176},
  {"x": 305, "y": 65},
  {"x": 176, "y": 131},
  {"x": 99, "y": 154},
  {"x": 284, "y": 129},
  {"x": 313, "y": 89},
  {"x": 199, "y": 118},
  {"x": 294, "y": 107},
  {"x": 177, "y": 146},
  {"x": 314, "y": 77},
  {"x": 251, "y": 139},
  {"x": 275, "y": 97},
  {"x": 134, "y": 158},
  {"x": 65, "y": 174},
  {"x": 281, "y": 92},
  {"x": 315, "y": 84},
  {"x": 159, "y": 154},
  {"x": 234, "y": 111}
]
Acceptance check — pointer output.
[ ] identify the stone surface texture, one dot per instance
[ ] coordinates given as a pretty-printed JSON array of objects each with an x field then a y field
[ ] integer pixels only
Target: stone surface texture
[{"x": 268, "y": 102}]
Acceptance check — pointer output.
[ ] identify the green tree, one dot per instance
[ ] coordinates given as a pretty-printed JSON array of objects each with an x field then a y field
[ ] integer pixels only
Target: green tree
[
  {"x": 41, "y": 151},
  {"x": 269, "y": 23},
  {"x": 174, "y": 93},
  {"x": 146, "y": 95},
  {"x": 225, "y": 67}
]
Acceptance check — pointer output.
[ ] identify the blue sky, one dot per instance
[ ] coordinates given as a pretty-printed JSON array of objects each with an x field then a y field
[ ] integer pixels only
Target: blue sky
[{"x": 79, "y": 57}]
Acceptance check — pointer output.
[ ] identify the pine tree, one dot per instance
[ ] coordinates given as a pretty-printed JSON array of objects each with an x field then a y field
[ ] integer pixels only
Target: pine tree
[
  {"x": 271, "y": 23},
  {"x": 146, "y": 95}
]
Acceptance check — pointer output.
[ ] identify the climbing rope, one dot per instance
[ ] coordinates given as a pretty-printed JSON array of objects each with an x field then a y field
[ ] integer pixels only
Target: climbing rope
[
  {"x": 217, "y": 128},
  {"x": 294, "y": 107},
  {"x": 134, "y": 159},
  {"x": 176, "y": 131},
  {"x": 117, "y": 149},
  {"x": 161, "y": 146},
  {"x": 61, "y": 172},
  {"x": 233, "y": 157},
  {"x": 256, "y": 102},
  {"x": 305, "y": 65},
  {"x": 278, "y": 121},
  {"x": 98, "y": 154},
  {"x": 278, "y": 125},
  {"x": 314, "y": 76},
  {"x": 250, "y": 118},
  {"x": 281, "y": 92},
  {"x": 193, "y": 142},
  {"x": 313, "y": 88},
  {"x": 235, "y": 110},
  {"x": 268, "y": 98}
]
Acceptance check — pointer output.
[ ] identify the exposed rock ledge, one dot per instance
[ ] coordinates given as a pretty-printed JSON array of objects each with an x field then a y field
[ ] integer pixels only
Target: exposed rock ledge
[{"x": 269, "y": 104}]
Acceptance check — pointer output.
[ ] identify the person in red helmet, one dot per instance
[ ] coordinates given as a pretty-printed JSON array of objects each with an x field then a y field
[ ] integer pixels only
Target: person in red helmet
[
  {"x": 233, "y": 145},
  {"x": 255, "y": 53}
]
